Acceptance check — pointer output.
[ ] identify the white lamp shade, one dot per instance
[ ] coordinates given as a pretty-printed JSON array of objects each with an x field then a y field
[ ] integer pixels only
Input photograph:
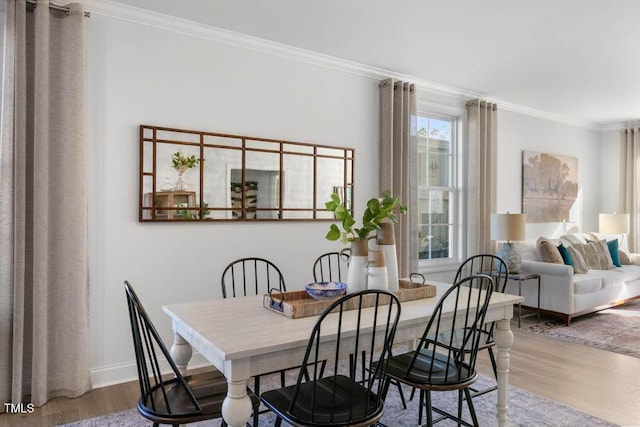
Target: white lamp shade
[
  {"x": 613, "y": 223},
  {"x": 508, "y": 227}
]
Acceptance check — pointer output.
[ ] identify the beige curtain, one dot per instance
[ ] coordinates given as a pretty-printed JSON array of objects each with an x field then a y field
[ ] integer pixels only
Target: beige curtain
[
  {"x": 43, "y": 253},
  {"x": 630, "y": 182},
  {"x": 482, "y": 139},
  {"x": 398, "y": 153}
]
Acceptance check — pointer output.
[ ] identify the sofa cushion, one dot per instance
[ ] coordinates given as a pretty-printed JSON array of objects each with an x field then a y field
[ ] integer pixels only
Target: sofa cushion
[
  {"x": 579, "y": 265},
  {"x": 630, "y": 272},
  {"x": 610, "y": 278},
  {"x": 596, "y": 254},
  {"x": 586, "y": 283},
  {"x": 547, "y": 251}
]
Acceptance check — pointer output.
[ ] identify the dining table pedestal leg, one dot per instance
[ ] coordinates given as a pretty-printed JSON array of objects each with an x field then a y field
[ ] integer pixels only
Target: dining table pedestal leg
[
  {"x": 181, "y": 352},
  {"x": 504, "y": 340},
  {"x": 237, "y": 408}
]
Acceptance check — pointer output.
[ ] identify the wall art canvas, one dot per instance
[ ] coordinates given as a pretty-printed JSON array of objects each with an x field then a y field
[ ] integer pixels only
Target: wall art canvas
[{"x": 549, "y": 186}]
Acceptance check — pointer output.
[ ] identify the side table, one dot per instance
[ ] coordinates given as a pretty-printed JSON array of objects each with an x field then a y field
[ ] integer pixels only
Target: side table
[{"x": 522, "y": 277}]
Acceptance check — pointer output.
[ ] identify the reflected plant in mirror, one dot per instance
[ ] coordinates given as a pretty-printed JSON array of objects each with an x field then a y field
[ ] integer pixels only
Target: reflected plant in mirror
[
  {"x": 181, "y": 164},
  {"x": 194, "y": 213}
]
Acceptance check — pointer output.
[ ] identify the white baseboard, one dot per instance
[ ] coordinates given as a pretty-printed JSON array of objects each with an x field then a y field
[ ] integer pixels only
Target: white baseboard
[{"x": 124, "y": 372}]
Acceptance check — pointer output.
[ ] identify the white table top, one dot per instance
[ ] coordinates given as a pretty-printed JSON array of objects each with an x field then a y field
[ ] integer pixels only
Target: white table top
[{"x": 230, "y": 329}]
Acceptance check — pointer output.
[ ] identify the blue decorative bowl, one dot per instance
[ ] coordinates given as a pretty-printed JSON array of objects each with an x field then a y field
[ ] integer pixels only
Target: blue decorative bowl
[{"x": 325, "y": 290}]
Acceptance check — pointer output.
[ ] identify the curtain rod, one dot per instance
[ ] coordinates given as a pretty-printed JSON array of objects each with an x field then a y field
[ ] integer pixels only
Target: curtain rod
[{"x": 54, "y": 6}]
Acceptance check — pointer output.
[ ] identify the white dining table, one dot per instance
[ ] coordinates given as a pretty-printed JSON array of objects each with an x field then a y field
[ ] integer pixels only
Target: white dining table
[{"x": 242, "y": 339}]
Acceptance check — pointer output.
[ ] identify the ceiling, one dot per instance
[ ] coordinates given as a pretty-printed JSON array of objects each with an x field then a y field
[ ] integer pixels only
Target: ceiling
[{"x": 576, "y": 59}]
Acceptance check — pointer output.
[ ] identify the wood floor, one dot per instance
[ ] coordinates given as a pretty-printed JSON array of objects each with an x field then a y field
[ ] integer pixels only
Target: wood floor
[{"x": 601, "y": 383}]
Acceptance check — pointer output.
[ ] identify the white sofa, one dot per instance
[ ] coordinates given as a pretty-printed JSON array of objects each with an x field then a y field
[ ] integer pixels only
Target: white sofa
[{"x": 569, "y": 295}]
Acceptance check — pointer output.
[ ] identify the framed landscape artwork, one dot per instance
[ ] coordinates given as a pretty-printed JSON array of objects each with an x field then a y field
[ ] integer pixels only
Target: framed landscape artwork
[{"x": 549, "y": 186}]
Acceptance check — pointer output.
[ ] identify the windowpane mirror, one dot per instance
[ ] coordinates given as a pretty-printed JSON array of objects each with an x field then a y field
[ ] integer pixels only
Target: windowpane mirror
[{"x": 193, "y": 175}]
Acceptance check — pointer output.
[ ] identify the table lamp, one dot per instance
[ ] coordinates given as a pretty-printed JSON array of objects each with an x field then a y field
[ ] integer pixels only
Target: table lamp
[
  {"x": 507, "y": 228},
  {"x": 613, "y": 223}
]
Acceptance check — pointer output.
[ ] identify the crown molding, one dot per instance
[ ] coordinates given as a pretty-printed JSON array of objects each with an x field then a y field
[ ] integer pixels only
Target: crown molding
[
  {"x": 613, "y": 126},
  {"x": 115, "y": 10},
  {"x": 632, "y": 123},
  {"x": 546, "y": 115}
]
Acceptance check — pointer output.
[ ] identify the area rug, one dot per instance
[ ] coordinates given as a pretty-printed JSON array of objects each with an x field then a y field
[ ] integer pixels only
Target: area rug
[
  {"x": 614, "y": 329},
  {"x": 525, "y": 409}
]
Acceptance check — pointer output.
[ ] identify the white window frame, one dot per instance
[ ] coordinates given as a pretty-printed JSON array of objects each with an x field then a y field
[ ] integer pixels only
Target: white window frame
[{"x": 457, "y": 242}]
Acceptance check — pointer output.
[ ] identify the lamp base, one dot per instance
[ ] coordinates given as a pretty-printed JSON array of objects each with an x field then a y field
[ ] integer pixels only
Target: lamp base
[{"x": 510, "y": 256}]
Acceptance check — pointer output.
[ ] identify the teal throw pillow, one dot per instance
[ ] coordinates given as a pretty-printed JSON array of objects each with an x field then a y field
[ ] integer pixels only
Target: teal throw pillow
[
  {"x": 566, "y": 257},
  {"x": 613, "y": 250}
]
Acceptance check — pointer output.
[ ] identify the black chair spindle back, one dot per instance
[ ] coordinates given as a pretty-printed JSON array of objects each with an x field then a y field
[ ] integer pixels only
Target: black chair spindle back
[
  {"x": 446, "y": 355},
  {"x": 471, "y": 297},
  {"x": 329, "y": 267},
  {"x": 251, "y": 276}
]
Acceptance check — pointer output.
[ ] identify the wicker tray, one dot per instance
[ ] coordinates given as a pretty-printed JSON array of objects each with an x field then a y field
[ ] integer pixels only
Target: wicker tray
[{"x": 297, "y": 304}]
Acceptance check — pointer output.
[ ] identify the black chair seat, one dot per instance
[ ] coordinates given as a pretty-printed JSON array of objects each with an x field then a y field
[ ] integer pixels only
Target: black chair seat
[
  {"x": 350, "y": 400},
  {"x": 209, "y": 389},
  {"x": 440, "y": 373}
]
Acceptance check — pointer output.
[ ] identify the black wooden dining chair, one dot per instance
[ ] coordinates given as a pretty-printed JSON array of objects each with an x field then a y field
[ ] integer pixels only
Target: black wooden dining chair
[
  {"x": 174, "y": 399},
  {"x": 350, "y": 393},
  {"x": 333, "y": 267},
  {"x": 497, "y": 268},
  {"x": 441, "y": 365},
  {"x": 253, "y": 276},
  {"x": 329, "y": 267}
]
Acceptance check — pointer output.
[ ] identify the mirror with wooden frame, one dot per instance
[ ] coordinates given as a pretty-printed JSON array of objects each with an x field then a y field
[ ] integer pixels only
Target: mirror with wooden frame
[{"x": 188, "y": 175}]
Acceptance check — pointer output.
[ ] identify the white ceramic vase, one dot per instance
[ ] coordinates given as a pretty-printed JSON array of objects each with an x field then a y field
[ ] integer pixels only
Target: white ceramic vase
[
  {"x": 357, "y": 260},
  {"x": 377, "y": 271},
  {"x": 386, "y": 240}
]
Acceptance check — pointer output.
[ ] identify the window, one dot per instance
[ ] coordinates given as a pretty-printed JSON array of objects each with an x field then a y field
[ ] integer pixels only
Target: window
[{"x": 437, "y": 188}]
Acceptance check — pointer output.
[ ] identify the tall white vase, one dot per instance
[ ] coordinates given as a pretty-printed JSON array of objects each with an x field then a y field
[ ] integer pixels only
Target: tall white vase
[
  {"x": 357, "y": 260},
  {"x": 386, "y": 239},
  {"x": 377, "y": 271}
]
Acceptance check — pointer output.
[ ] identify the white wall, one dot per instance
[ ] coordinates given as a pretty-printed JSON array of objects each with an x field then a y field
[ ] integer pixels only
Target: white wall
[
  {"x": 517, "y": 133},
  {"x": 138, "y": 74},
  {"x": 610, "y": 176}
]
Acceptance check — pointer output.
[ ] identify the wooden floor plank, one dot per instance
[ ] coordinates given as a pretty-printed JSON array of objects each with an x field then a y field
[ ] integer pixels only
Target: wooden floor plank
[{"x": 601, "y": 383}]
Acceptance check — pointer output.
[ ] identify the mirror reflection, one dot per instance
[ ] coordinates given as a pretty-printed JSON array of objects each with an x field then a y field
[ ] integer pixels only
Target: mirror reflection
[{"x": 192, "y": 175}]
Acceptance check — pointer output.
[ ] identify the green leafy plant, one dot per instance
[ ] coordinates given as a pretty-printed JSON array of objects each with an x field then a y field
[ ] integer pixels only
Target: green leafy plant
[
  {"x": 377, "y": 211},
  {"x": 181, "y": 162},
  {"x": 194, "y": 213}
]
